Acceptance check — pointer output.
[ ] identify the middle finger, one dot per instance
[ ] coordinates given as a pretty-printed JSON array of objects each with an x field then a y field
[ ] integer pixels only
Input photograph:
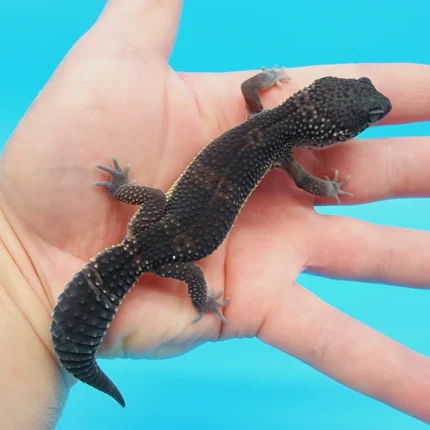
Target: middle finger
[{"x": 380, "y": 169}]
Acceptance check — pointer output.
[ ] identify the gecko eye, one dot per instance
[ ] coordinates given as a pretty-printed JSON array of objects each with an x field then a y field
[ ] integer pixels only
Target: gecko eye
[{"x": 374, "y": 115}]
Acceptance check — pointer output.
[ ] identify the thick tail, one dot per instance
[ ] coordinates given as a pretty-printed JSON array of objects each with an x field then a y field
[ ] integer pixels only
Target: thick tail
[{"x": 85, "y": 310}]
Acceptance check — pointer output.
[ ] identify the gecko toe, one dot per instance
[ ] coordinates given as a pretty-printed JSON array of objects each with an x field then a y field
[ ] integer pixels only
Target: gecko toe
[
  {"x": 221, "y": 316},
  {"x": 102, "y": 184},
  {"x": 342, "y": 183},
  {"x": 116, "y": 165},
  {"x": 198, "y": 318},
  {"x": 126, "y": 170},
  {"x": 336, "y": 175},
  {"x": 224, "y": 303},
  {"x": 217, "y": 296},
  {"x": 107, "y": 169}
]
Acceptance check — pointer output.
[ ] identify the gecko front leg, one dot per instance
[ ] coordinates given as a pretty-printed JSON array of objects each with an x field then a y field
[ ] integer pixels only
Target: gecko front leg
[
  {"x": 121, "y": 188},
  {"x": 320, "y": 187},
  {"x": 260, "y": 82}
]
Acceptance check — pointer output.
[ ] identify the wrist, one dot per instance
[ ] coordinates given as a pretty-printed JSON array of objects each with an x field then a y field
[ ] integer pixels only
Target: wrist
[{"x": 33, "y": 389}]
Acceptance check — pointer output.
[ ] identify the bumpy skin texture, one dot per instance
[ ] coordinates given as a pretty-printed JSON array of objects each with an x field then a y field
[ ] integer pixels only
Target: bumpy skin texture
[{"x": 170, "y": 231}]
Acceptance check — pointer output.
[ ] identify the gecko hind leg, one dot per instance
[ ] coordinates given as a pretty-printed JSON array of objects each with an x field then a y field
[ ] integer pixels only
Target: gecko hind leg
[
  {"x": 260, "y": 82},
  {"x": 192, "y": 274}
]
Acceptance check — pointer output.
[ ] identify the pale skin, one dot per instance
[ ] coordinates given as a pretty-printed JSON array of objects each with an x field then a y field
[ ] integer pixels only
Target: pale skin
[{"x": 115, "y": 95}]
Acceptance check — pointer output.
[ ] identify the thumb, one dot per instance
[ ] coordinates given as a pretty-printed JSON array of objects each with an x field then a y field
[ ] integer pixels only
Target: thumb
[{"x": 148, "y": 26}]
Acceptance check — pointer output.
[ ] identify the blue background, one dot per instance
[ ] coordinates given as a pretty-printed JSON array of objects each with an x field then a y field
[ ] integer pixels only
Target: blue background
[{"x": 244, "y": 384}]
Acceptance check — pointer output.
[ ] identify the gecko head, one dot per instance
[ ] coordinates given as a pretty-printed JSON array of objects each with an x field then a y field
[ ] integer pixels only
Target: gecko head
[{"x": 333, "y": 109}]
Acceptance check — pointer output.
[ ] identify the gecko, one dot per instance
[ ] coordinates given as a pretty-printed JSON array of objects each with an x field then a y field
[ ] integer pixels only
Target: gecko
[{"x": 170, "y": 231}]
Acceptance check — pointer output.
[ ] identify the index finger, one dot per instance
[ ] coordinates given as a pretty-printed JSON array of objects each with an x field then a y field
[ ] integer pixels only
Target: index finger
[{"x": 406, "y": 85}]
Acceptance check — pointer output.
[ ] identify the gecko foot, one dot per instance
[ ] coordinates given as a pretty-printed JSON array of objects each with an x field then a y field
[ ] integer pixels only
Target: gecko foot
[
  {"x": 213, "y": 305},
  {"x": 334, "y": 187},
  {"x": 275, "y": 76},
  {"x": 118, "y": 179}
]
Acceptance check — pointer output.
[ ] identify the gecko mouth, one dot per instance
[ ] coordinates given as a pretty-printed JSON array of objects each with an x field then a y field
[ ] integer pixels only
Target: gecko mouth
[{"x": 341, "y": 138}]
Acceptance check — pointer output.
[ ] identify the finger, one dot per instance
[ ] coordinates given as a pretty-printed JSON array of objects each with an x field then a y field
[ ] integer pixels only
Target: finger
[
  {"x": 369, "y": 252},
  {"x": 407, "y": 86},
  {"x": 149, "y": 26},
  {"x": 380, "y": 169},
  {"x": 348, "y": 351}
]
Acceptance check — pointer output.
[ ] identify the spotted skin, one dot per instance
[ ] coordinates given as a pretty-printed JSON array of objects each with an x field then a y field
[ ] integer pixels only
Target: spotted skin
[{"x": 170, "y": 231}]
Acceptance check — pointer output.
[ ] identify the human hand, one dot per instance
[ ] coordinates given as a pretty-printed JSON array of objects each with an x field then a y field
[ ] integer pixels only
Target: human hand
[{"x": 115, "y": 95}]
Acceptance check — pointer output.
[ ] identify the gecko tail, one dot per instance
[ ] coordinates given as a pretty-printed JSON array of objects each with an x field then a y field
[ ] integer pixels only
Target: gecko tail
[
  {"x": 85, "y": 368},
  {"x": 85, "y": 310}
]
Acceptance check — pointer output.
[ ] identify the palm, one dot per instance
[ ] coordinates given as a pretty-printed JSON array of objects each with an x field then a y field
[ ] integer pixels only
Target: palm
[{"x": 149, "y": 117}]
